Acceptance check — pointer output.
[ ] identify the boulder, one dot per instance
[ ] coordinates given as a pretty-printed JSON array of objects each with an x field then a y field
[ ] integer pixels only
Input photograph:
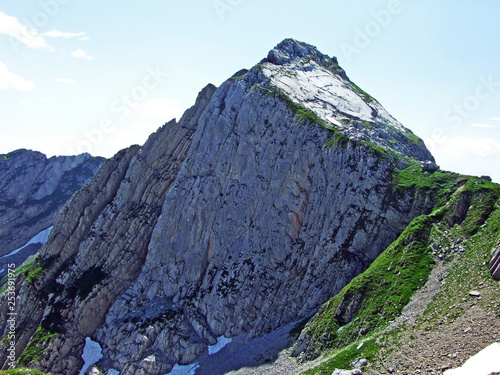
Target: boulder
[
  {"x": 428, "y": 166},
  {"x": 347, "y": 372}
]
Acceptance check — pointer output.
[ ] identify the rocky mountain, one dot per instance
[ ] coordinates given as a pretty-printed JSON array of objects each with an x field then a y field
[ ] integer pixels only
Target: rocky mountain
[
  {"x": 272, "y": 194},
  {"x": 33, "y": 190},
  {"x": 430, "y": 300}
]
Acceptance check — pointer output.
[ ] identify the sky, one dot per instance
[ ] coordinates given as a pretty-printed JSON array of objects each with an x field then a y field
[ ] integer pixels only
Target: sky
[{"x": 87, "y": 76}]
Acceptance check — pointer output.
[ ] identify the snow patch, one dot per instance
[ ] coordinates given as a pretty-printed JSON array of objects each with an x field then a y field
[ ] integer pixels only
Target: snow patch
[
  {"x": 92, "y": 353},
  {"x": 483, "y": 363},
  {"x": 184, "y": 370},
  {"x": 221, "y": 342},
  {"x": 112, "y": 371},
  {"x": 39, "y": 238}
]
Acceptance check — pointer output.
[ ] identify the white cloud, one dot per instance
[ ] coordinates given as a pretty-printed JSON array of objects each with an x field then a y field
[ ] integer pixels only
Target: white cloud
[
  {"x": 494, "y": 119},
  {"x": 45, "y": 100},
  {"x": 64, "y": 80},
  {"x": 59, "y": 34},
  {"x": 13, "y": 27},
  {"x": 49, "y": 143},
  {"x": 21, "y": 33},
  {"x": 483, "y": 126},
  {"x": 10, "y": 80},
  {"x": 81, "y": 54},
  {"x": 471, "y": 156}
]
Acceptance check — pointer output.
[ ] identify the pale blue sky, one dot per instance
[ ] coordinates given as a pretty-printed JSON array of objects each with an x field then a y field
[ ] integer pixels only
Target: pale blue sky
[{"x": 99, "y": 76}]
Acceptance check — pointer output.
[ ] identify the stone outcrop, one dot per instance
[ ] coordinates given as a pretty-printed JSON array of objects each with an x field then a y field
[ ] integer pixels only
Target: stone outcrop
[
  {"x": 33, "y": 190},
  {"x": 263, "y": 201},
  {"x": 347, "y": 372}
]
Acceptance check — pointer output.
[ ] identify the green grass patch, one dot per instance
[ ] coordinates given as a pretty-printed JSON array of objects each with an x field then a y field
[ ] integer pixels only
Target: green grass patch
[
  {"x": 376, "y": 150},
  {"x": 35, "y": 349},
  {"x": 338, "y": 139},
  {"x": 22, "y": 269},
  {"x": 367, "y": 125},
  {"x": 33, "y": 272},
  {"x": 343, "y": 358},
  {"x": 23, "y": 371},
  {"x": 303, "y": 113},
  {"x": 438, "y": 184},
  {"x": 377, "y": 296},
  {"x": 268, "y": 92},
  {"x": 413, "y": 138},
  {"x": 484, "y": 195},
  {"x": 469, "y": 272},
  {"x": 367, "y": 97}
]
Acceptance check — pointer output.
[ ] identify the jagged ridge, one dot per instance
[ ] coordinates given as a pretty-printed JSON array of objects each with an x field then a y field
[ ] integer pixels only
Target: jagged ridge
[{"x": 33, "y": 190}]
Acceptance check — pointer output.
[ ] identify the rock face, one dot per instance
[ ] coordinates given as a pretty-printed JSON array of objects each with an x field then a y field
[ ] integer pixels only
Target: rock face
[
  {"x": 33, "y": 189},
  {"x": 263, "y": 201},
  {"x": 347, "y": 372}
]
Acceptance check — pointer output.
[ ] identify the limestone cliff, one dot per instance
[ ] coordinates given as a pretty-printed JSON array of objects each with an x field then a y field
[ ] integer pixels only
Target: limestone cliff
[{"x": 261, "y": 203}]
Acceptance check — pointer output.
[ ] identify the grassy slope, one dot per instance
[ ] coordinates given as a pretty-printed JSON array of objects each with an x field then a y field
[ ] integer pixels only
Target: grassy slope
[
  {"x": 34, "y": 351},
  {"x": 22, "y": 371},
  {"x": 360, "y": 312}
]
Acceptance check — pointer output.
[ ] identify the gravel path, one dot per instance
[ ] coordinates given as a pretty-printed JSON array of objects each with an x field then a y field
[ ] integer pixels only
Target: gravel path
[
  {"x": 446, "y": 346},
  {"x": 432, "y": 349}
]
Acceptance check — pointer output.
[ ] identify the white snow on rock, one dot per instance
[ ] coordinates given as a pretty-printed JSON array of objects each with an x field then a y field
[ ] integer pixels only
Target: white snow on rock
[
  {"x": 184, "y": 370},
  {"x": 92, "y": 353},
  {"x": 221, "y": 342},
  {"x": 39, "y": 238},
  {"x": 483, "y": 363},
  {"x": 327, "y": 94}
]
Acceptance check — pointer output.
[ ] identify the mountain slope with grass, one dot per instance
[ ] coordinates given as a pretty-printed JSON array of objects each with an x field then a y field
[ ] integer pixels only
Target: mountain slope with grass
[{"x": 429, "y": 302}]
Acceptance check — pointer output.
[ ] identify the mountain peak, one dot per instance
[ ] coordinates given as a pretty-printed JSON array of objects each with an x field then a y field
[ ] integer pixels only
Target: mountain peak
[
  {"x": 290, "y": 49},
  {"x": 316, "y": 83}
]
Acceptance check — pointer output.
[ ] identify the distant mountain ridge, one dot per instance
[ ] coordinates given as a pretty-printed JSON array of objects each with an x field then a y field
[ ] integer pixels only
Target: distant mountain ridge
[{"x": 33, "y": 190}]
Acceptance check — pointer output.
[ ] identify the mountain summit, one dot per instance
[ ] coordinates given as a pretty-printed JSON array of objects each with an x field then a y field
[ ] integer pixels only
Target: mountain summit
[
  {"x": 316, "y": 82},
  {"x": 267, "y": 198}
]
